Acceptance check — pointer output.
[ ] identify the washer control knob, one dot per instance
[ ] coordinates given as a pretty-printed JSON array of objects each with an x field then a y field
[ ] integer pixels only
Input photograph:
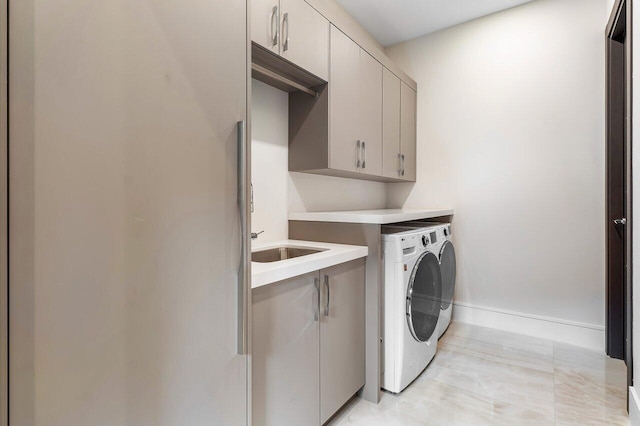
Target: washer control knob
[{"x": 425, "y": 240}]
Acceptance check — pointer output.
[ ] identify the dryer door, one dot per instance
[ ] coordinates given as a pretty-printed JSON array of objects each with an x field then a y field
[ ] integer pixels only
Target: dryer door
[
  {"x": 424, "y": 297},
  {"x": 448, "y": 268}
]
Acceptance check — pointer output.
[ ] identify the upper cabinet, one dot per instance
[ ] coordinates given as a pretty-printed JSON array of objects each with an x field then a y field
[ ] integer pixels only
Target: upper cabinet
[
  {"x": 407, "y": 132},
  {"x": 392, "y": 160},
  {"x": 352, "y": 112},
  {"x": 355, "y": 108},
  {"x": 398, "y": 128},
  {"x": 370, "y": 112},
  {"x": 293, "y": 30}
]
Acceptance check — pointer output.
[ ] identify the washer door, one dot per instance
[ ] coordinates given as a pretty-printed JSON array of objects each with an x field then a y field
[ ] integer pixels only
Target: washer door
[
  {"x": 448, "y": 268},
  {"x": 424, "y": 297}
]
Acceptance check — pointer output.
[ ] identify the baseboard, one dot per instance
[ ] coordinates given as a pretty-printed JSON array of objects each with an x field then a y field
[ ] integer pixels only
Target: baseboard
[
  {"x": 574, "y": 333},
  {"x": 634, "y": 407}
]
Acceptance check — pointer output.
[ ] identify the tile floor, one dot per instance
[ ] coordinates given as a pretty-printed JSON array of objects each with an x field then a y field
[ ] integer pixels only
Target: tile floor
[{"x": 482, "y": 376}]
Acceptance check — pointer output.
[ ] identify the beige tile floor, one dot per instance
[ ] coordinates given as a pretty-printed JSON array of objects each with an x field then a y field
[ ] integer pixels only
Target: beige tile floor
[{"x": 482, "y": 376}]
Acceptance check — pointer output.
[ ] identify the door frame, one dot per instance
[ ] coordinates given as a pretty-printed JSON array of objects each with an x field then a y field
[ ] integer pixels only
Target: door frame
[
  {"x": 619, "y": 319},
  {"x": 4, "y": 212}
]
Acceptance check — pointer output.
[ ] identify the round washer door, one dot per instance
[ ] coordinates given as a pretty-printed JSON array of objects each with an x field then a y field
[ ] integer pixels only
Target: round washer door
[
  {"x": 424, "y": 297},
  {"x": 448, "y": 268}
]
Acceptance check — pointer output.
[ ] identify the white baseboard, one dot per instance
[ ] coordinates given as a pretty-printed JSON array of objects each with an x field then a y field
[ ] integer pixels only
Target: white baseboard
[
  {"x": 634, "y": 407},
  {"x": 574, "y": 333}
]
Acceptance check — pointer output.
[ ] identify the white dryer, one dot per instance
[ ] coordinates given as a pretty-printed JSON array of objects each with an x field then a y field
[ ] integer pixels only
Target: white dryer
[
  {"x": 412, "y": 299},
  {"x": 440, "y": 237}
]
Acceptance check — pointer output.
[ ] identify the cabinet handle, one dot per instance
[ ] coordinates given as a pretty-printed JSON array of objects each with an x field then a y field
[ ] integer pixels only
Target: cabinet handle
[
  {"x": 358, "y": 154},
  {"x": 399, "y": 164},
  {"x": 244, "y": 274},
  {"x": 326, "y": 284},
  {"x": 285, "y": 39},
  {"x": 316, "y": 311},
  {"x": 364, "y": 151},
  {"x": 274, "y": 24},
  {"x": 402, "y": 164}
]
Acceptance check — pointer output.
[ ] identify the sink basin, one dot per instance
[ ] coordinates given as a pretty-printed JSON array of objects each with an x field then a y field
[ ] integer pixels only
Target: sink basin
[{"x": 281, "y": 253}]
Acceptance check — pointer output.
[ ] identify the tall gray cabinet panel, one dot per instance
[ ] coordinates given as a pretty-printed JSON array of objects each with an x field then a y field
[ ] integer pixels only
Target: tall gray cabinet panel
[
  {"x": 286, "y": 353},
  {"x": 342, "y": 335},
  {"x": 125, "y": 235}
]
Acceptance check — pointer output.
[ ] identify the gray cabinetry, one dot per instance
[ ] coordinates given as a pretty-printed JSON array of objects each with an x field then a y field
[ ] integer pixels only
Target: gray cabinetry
[
  {"x": 408, "y": 132},
  {"x": 370, "y": 111},
  {"x": 308, "y": 345},
  {"x": 344, "y": 117},
  {"x": 293, "y": 30},
  {"x": 355, "y": 109},
  {"x": 286, "y": 375},
  {"x": 391, "y": 162},
  {"x": 398, "y": 128},
  {"x": 342, "y": 349},
  {"x": 265, "y": 24}
]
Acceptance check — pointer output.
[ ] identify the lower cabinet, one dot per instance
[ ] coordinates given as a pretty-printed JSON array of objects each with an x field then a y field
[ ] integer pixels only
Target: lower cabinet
[
  {"x": 342, "y": 370},
  {"x": 286, "y": 352},
  {"x": 308, "y": 345}
]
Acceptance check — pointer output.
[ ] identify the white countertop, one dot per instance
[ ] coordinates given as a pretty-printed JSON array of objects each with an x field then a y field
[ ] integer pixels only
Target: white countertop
[
  {"x": 334, "y": 254},
  {"x": 381, "y": 217}
]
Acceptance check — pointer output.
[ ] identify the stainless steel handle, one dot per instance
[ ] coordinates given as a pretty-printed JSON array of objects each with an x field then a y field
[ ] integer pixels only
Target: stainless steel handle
[
  {"x": 358, "y": 154},
  {"x": 285, "y": 39},
  {"x": 402, "y": 156},
  {"x": 244, "y": 272},
  {"x": 274, "y": 24},
  {"x": 364, "y": 153},
  {"x": 620, "y": 222},
  {"x": 326, "y": 285},
  {"x": 316, "y": 312}
]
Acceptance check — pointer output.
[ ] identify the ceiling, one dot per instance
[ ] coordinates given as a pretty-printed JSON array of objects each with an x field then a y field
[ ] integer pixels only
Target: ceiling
[{"x": 393, "y": 21}]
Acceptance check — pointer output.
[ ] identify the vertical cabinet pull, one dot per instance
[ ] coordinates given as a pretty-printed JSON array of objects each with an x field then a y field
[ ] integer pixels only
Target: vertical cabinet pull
[
  {"x": 358, "y": 154},
  {"x": 244, "y": 269},
  {"x": 328, "y": 288},
  {"x": 285, "y": 39},
  {"x": 316, "y": 311},
  {"x": 364, "y": 153},
  {"x": 402, "y": 164},
  {"x": 274, "y": 26},
  {"x": 399, "y": 164}
]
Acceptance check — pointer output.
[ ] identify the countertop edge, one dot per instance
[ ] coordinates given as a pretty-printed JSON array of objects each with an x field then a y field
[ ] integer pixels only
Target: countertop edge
[
  {"x": 342, "y": 254},
  {"x": 367, "y": 218}
]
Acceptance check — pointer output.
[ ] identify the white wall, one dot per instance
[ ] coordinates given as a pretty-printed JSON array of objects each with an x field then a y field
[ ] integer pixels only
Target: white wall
[
  {"x": 511, "y": 126},
  {"x": 269, "y": 161},
  {"x": 276, "y": 190}
]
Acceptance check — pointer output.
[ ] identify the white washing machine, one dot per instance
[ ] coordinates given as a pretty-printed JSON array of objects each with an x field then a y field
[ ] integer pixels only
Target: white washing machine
[
  {"x": 440, "y": 236},
  {"x": 412, "y": 299}
]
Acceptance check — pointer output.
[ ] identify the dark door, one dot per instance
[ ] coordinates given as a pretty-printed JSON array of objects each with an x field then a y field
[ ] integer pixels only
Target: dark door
[{"x": 618, "y": 225}]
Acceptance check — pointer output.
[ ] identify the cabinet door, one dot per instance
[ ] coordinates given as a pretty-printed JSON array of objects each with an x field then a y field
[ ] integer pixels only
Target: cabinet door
[
  {"x": 343, "y": 103},
  {"x": 390, "y": 124},
  {"x": 285, "y": 353},
  {"x": 342, "y": 351},
  {"x": 123, "y": 296},
  {"x": 265, "y": 23},
  {"x": 305, "y": 37},
  {"x": 370, "y": 108},
  {"x": 408, "y": 131}
]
